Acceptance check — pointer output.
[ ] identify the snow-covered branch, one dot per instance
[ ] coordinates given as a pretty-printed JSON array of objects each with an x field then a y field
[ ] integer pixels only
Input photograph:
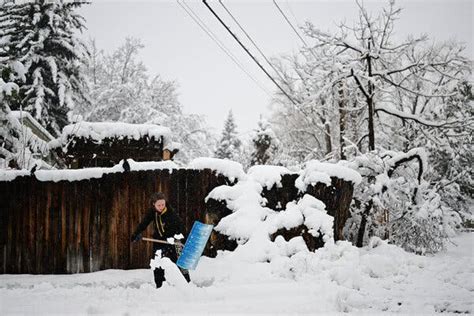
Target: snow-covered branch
[{"x": 416, "y": 118}]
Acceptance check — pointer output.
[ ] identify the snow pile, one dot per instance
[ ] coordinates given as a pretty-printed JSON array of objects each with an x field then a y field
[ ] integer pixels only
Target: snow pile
[
  {"x": 321, "y": 172},
  {"x": 228, "y": 168},
  {"x": 267, "y": 176},
  {"x": 252, "y": 224},
  {"x": 245, "y": 200},
  {"x": 342, "y": 278},
  {"x": 375, "y": 280},
  {"x": 173, "y": 275},
  {"x": 316, "y": 218}
]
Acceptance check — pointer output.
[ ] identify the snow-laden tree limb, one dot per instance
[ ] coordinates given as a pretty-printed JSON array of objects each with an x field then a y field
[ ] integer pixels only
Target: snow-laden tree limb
[{"x": 416, "y": 118}]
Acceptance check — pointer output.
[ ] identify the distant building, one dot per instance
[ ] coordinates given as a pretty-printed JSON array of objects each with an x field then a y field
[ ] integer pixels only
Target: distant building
[
  {"x": 104, "y": 144},
  {"x": 33, "y": 149},
  {"x": 25, "y": 119}
]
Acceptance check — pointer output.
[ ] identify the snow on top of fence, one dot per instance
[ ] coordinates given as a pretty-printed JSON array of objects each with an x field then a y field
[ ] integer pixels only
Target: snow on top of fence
[
  {"x": 321, "y": 172},
  {"x": 10, "y": 175},
  {"x": 86, "y": 173},
  {"x": 267, "y": 176},
  {"x": 152, "y": 165},
  {"x": 99, "y": 131},
  {"x": 228, "y": 168},
  {"x": 75, "y": 174}
]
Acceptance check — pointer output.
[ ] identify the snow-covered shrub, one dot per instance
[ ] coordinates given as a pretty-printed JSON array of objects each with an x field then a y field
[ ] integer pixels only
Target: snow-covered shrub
[
  {"x": 265, "y": 144},
  {"x": 395, "y": 203},
  {"x": 256, "y": 228}
]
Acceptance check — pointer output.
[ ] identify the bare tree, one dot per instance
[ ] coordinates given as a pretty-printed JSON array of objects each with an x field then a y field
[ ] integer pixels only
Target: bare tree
[{"x": 383, "y": 69}]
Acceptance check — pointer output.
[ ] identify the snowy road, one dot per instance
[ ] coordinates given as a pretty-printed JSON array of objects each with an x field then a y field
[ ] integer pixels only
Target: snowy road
[{"x": 333, "y": 280}]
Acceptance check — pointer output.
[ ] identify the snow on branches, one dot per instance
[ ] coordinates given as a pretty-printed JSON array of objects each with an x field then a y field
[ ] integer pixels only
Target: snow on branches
[
  {"x": 394, "y": 202},
  {"x": 42, "y": 35}
]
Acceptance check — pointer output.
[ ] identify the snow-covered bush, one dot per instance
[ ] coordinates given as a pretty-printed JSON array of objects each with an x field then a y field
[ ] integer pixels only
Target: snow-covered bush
[
  {"x": 257, "y": 228},
  {"x": 396, "y": 203},
  {"x": 265, "y": 144}
]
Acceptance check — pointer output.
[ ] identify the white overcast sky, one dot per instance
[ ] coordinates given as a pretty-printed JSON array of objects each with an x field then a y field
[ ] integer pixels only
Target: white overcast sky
[{"x": 210, "y": 83}]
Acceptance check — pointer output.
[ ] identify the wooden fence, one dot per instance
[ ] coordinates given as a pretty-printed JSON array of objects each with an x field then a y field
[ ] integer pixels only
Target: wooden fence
[{"x": 84, "y": 226}]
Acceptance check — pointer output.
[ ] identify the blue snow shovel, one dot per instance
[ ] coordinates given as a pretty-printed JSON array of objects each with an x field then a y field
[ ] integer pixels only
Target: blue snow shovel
[{"x": 194, "y": 246}]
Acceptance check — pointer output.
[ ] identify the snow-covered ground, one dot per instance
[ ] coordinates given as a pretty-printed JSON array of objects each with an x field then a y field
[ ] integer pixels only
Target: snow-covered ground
[{"x": 336, "y": 279}]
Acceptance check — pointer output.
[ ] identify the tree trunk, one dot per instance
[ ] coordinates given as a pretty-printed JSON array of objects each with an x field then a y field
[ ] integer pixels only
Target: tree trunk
[
  {"x": 363, "y": 224},
  {"x": 370, "y": 103},
  {"x": 371, "y": 121},
  {"x": 342, "y": 120},
  {"x": 328, "y": 138}
]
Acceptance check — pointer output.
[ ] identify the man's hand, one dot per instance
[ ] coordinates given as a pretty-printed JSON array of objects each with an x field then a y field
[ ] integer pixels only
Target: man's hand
[
  {"x": 136, "y": 238},
  {"x": 178, "y": 237}
]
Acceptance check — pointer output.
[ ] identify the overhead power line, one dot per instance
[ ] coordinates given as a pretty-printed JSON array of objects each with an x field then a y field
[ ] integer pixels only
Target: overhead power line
[
  {"x": 216, "y": 40},
  {"x": 289, "y": 22},
  {"x": 291, "y": 11},
  {"x": 249, "y": 53},
  {"x": 252, "y": 41},
  {"x": 293, "y": 28}
]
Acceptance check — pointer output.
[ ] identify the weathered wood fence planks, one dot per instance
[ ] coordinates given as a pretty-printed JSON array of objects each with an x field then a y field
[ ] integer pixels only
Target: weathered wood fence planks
[{"x": 83, "y": 226}]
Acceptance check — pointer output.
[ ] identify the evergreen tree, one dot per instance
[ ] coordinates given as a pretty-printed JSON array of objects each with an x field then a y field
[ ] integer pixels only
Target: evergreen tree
[
  {"x": 229, "y": 145},
  {"x": 265, "y": 144},
  {"x": 19, "y": 147},
  {"x": 42, "y": 35},
  {"x": 9, "y": 133}
]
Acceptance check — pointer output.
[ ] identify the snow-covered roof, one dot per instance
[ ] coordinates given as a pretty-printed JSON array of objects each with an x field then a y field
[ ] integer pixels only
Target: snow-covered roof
[
  {"x": 99, "y": 131},
  {"x": 28, "y": 121}
]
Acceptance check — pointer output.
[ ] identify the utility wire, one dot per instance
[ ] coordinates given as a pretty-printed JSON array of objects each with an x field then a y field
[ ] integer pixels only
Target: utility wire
[
  {"x": 252, "y": 41},
  {"x": 216, "y": 40},
  {"x": 294, "y": 29},
  {"x": 214, "y": 37},
  {"x": 291, "y": 11},
  {"x": 248, "y": 52},
  {"x": 288, "y": 21}
]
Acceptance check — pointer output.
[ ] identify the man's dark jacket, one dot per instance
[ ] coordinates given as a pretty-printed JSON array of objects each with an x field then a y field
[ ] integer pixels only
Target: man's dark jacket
[{"x": 165, "y": 225}]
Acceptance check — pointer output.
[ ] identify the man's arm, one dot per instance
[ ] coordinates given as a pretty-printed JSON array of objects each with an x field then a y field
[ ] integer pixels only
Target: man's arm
[
  {"x": 178, "y": 226},
  {"x": 136, "y": 236}
]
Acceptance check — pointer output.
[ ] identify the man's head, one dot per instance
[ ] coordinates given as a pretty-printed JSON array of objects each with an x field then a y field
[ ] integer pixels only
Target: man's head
[{"x": 158, "y": 200}]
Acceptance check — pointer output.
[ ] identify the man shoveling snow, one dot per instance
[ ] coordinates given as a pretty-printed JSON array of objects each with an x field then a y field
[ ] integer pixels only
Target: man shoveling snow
[{"x": 167, "y": 226}]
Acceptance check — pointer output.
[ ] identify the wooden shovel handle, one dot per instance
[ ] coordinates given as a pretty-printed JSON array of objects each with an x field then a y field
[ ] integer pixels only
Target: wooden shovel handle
[{"x": 161, "y": 241}]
